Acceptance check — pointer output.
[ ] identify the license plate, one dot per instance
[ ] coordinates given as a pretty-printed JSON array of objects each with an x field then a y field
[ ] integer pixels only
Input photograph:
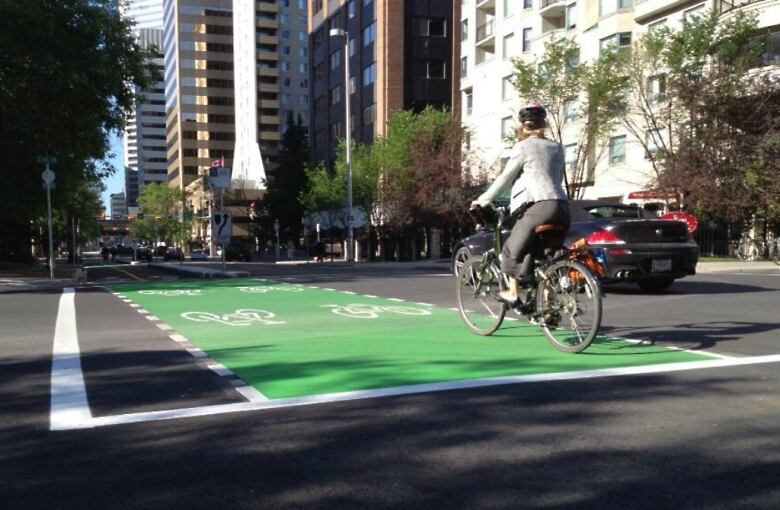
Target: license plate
[{"x": 661, "y": 265}]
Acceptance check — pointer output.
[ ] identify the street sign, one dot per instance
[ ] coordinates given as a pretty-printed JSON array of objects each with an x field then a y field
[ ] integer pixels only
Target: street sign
[
  {"x": 221, "y": 226},
  {"x": 219, "y": 177},
  {"x": 46, "y": 160},
  {"x": 48, "y": 177}
]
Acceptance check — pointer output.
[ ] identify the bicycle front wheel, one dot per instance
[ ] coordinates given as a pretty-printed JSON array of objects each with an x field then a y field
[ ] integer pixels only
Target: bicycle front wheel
[
  {"x": 569, "y": 303},
  {"x": 477, "y": 294}
]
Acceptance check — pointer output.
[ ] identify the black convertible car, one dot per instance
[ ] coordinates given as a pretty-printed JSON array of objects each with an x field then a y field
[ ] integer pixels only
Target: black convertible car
[{"x": 633, "y": 244}]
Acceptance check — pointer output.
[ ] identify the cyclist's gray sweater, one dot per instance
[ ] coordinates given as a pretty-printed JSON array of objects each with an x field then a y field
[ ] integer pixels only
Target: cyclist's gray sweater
[{"x": 535, "y": 172}]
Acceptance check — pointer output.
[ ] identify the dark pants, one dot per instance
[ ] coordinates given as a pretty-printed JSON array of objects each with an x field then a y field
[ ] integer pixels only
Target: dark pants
[{"x": 517, "y": 259}]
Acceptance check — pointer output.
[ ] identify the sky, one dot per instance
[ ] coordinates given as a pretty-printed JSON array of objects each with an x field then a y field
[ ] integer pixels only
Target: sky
[{"x": 115, "y": 183}]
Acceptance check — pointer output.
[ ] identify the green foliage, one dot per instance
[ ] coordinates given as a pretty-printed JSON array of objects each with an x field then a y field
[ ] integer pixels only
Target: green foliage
[
  {"x": 65, "y": 71},
  {"x": 289, "y": 179},
  {"x": 164, "y": 216},
  {"x": 558, "y": 78}
]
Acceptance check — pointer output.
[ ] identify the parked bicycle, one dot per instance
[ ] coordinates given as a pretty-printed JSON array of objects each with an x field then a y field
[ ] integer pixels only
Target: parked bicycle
[
  {"x": 750, "y": 249},
  {"x": 564, "y": 299}
]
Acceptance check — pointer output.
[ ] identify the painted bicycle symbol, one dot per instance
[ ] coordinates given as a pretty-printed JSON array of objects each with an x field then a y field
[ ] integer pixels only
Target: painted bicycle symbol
[
  {"x": 174, "y": 292},
  {"x": 262, "y": 289},
  {"x": 366, "y": 311},
  {"x": 242, "y": 317}
]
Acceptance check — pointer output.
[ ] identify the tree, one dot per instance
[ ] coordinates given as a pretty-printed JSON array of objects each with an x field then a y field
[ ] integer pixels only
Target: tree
[
  {"x": 706, "y": 117},
  {"x": 324, "y": 193},
  {"x": 289, "y": 180},
  {"x": 164, "y": 216},
  {"x": 585, "y": 95},
  {"x": 66, "y": 70}
]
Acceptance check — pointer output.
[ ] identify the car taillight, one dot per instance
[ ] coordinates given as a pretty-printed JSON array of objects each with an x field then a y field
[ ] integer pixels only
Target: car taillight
[{"x": 604, "y": 237}]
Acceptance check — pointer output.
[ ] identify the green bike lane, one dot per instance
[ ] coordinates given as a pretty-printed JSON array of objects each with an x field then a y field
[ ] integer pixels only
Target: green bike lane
[{"x": 290, "y": 340}]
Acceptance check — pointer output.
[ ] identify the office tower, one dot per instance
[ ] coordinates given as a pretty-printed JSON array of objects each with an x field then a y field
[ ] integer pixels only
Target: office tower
[
  {"x": 400, "y": 57},
  {"x": 293, "y": 62},
  {"x": 144, "y": 134},
  {"x": 118, "y": 206}
]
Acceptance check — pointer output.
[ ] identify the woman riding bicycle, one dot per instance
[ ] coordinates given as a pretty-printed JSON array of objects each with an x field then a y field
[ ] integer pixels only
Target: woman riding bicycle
[{"x": 535, "y": 173}]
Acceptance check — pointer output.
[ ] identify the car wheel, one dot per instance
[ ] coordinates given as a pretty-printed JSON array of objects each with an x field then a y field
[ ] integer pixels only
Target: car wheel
[
  {"x": 462, "y": 256},
  {"x": 655, "y": 284}
]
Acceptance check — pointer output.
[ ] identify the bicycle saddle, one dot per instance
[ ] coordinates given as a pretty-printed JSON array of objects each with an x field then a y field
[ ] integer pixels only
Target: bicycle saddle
[{"x": 549, "y": 227}]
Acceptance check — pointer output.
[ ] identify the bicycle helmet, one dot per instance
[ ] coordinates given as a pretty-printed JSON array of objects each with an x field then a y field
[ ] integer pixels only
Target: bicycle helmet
[{"x": 533, "y": 111}]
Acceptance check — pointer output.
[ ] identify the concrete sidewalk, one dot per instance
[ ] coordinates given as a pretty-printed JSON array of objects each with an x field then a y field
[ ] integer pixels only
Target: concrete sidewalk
[
  {"x": 202, "y": 272},
  {"x": 737, "y": 266}
]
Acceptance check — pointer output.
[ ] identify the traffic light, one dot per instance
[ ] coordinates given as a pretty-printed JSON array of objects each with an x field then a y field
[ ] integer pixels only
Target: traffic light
[{"x": 252, "y": 210}]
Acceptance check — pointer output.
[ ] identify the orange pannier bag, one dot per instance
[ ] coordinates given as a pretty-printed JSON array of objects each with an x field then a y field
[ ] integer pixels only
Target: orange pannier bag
[{"x": 580, "y": 251}]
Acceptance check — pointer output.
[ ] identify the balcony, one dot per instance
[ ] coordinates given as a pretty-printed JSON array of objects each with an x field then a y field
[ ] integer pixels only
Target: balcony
[
  {"x": 552, "y": 8},
  {"x": 486, "y": 33},
  {"x": 486, "y": 4}
]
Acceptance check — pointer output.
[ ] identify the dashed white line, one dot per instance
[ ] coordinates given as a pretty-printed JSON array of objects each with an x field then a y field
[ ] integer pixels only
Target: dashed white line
[
  {"x": 197, "y": 353},
  {"x": 221, "y": 370},
  {"x": 152, "y": 318},
  {"x": 165, "y": 327},
  {"x": 251, "y": 394},
  {"x": 178, "y": 338},
  {"x": 424, "y": 304},
  {"x": 396, "y": 299},
  {"x": 142, "y": 311},
  {"x": 135, "y": 305}
]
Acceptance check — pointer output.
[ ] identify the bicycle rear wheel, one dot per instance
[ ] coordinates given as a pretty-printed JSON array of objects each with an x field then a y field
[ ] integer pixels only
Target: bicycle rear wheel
[
  {"x": 477, "y": 292},
  {"x": 569, "y": 301}
]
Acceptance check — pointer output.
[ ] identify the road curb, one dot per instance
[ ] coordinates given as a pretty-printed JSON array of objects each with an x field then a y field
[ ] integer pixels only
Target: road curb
[{"x": 202, "y": 272}]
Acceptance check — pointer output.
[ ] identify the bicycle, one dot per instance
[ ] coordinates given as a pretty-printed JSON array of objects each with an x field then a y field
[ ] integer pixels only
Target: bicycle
[
  {"x": 564, "y": 299},
  {"x": 750, "y": 249}
]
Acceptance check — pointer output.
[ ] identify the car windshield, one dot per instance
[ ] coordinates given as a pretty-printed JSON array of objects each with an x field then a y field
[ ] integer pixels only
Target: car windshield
[{"x": 619, "y": 212}]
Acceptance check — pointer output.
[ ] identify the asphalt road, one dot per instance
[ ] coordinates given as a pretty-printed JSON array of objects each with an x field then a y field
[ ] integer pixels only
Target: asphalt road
[{"x": 692, "y": 439}]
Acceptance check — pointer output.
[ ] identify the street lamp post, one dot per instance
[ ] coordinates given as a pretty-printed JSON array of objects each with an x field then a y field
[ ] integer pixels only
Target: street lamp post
[
  {"x": 340, "y": 32},
  {"x": 276, "y": 230}
]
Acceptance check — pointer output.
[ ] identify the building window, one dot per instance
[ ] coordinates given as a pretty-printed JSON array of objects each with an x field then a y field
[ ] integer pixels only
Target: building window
[
  {"x": 369, "y": 74},
  {"x": 507, "y": 126},
  {"x": 507, "y": 89},
  {"x": 464, "y": 30},
  {"x": 656, "y": 88},
  {"x": 303, "y": 99},
  {"x": 286, "y": 50},
  {"x": 286, "y": 98},
  {"x": 507, "y": 49},
  {"x": 369, "y": 115},
  {"x": 617, "y": 150},
  {"x": 430, "y": 27},
  {"x": 570, "y": 156},
  {"x": 464, "y": 67},
  {"x": 352, "y": 46},
  {"x": 352, "y": 84},
  {"x": 653, "y": 142},
  {"x": 435, "y": 69},
  {"x": 302, "y": 36},
  {"x": 304, "y": 84},
  {"x": 571, "y": 16},
  {"x": 369, "y": 34},
  {"x": 468, "y": 100},
  {"x": 570, "y": 110},
  {"x": 509, "y": 7},
  {"x": 351, "y": 9},
  {"x": 528, "y": 4},
  {"x": 621, "y": 41},
  {"x": 335, "y": 95},
  {"x": 303, "y": 52},
  {"x": 607, "y": 7},
  {"x": 285, "y": 66},
  {"x": 652, "y": 27},
  {"x": 693, "y": 12},
  {"x": 304, "y": 68},
  {"x": 285, "y": 34},
  {"x": 335, "y": 60},
  {"x": 526, "y": 40},
  {"x": 286, "y": 82}
]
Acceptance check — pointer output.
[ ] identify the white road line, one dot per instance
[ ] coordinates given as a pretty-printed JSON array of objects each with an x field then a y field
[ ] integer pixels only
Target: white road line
[
  {"x": 142, "y": 311},
  {"x": 69, "y": 404},
  {"x": 152, "y": 318},
  {"x": 453, "y": 309},
  {"x": 424, "y": 388},
  {"x": 349, "y": 292},
  {"x": 396, "y": 299},
  {"x": 671, "y": 347},
  {"x": 197, "y": 353},
  {"x": 424, "y": 304},
  {"x": 165, "y": 327},
  {"x": 135, "y": 305},
  {"x": 127, "y": 300},
  {"x": 251, "y": 394},
  {"x": 178, "y": 338},
  {"x": 369, "y": 296},
  {"x": 329, "y": 290},
  {"x": 221, "y": 370}
]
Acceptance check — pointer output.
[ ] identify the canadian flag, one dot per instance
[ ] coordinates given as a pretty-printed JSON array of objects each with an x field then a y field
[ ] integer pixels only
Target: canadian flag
[{"x": 218, "y": 162}]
